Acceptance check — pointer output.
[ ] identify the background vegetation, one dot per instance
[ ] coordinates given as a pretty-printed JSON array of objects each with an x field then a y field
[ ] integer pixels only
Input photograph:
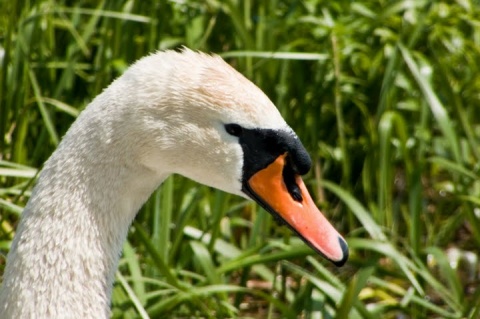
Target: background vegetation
[{"x": 385, "y": 95}]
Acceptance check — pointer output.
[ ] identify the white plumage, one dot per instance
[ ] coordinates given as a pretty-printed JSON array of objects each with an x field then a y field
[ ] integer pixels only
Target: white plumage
[{"x": 164, "y": 115}]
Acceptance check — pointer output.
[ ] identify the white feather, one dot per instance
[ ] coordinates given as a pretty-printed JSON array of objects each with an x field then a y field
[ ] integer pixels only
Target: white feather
[{"x": 164, "y": 115}]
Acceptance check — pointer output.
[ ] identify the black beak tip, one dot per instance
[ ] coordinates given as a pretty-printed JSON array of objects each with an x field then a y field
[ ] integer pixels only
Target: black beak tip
[{"x": 344, "y": 246}]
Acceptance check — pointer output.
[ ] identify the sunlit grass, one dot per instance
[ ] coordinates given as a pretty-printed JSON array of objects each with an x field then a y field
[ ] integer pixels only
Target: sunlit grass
[{"x": 384, "y": 95}]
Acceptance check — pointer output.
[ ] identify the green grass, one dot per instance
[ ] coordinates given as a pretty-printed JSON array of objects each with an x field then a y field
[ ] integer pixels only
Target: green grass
[{"x": 384, "y": 95}]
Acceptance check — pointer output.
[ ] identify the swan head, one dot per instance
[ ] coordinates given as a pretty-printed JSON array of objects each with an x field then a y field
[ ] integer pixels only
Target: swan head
[{"x": 206, "y": 121}]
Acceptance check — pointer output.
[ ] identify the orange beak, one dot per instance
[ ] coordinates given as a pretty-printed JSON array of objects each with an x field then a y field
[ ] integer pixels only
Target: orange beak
[{"x": 300, "y": 213}]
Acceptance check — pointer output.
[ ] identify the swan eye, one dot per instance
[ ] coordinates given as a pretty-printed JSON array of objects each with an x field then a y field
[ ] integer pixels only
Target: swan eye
[{"x": 234, "y": 129}]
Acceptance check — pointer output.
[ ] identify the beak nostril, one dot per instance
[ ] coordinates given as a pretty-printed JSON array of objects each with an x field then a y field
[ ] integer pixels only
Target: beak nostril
[
  {"x": 290, "y": 181},
  {"x": 295, "y": 192}
]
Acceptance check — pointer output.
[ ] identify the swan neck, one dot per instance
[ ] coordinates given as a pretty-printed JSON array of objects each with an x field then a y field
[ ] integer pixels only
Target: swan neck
[{"x": 65, "y": 253}]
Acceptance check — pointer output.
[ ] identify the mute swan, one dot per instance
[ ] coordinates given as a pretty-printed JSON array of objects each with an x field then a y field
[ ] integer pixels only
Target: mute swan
[{"x": 171, "y": 112}]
